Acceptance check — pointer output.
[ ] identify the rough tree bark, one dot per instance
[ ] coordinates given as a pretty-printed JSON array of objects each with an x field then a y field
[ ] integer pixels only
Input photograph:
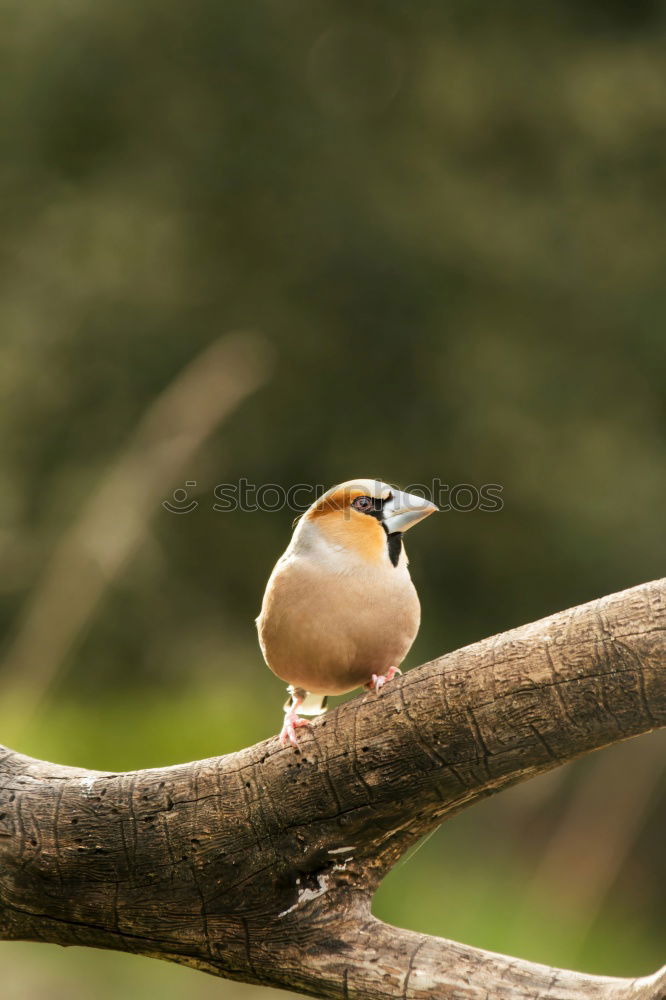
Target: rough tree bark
[{"x": 261, "y": 865}]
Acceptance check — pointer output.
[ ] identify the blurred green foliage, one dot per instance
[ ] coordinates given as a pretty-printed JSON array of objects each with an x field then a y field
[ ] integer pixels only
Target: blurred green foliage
[{"x": 448, "y": 220}]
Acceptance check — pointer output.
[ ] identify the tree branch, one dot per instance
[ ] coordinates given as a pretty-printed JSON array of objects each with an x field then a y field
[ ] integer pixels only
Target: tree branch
[{"x": 261, "y": 865}]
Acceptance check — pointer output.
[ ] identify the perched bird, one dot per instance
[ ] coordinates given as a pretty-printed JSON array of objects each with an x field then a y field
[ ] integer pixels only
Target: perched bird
[{"x": 340, "y": 609}]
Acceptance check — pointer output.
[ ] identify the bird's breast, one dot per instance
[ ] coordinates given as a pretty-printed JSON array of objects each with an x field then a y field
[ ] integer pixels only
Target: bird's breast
[{"x": 329, "y": 630}]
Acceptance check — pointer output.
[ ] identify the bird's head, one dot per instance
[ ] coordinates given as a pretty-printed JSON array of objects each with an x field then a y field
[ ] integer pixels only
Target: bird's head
[{"x": 367, "y": 517}]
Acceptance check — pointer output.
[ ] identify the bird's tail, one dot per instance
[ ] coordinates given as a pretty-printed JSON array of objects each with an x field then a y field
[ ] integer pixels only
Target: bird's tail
[{"x": 312, "y": 704}]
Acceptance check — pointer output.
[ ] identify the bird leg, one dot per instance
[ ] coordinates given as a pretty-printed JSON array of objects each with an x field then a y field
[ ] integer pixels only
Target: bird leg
[
  {"x": 292, "y": 720},
  {"x": 377, "y": 681}
]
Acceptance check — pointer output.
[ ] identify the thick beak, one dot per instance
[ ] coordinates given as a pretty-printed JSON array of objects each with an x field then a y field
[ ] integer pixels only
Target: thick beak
[{"x": 404, "y": 510}]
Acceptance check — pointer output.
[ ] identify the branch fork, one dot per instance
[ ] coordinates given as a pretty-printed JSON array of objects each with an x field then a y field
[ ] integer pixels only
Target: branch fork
[{"x": 261, "y": 866}]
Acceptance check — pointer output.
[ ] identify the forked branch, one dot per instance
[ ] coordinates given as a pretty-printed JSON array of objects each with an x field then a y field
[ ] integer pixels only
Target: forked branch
[{"x": 261, "y": 865}]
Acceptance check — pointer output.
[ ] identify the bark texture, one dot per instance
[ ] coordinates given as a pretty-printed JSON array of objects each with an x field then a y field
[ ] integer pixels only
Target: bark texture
[{"x": 261, "y": 865}]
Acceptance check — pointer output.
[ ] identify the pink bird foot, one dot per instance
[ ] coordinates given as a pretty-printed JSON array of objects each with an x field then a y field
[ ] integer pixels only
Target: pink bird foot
[
  {"x": 292, "y": 722},
  {"x": 377, "y": 682}
]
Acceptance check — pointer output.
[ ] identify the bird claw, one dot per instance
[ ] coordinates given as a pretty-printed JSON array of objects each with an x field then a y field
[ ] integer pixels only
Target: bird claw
[
  {"x": 377, "y": 682},
  {"x": 292, "y": 722}
]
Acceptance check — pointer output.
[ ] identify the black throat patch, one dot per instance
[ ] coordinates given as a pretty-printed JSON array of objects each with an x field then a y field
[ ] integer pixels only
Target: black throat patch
[{"x": 394, "y": 541}]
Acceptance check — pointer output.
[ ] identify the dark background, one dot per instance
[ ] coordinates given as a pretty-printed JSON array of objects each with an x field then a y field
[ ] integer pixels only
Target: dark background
[{"x": 438, "y": 230}]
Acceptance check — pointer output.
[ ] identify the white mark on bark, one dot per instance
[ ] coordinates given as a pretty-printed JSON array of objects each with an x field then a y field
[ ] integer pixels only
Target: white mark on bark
[
  {"x": 426, "y": 979},
  {"x": 304, "y": 895}
]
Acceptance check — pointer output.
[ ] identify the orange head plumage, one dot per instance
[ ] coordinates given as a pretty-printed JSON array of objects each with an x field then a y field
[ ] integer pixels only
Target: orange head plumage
[{"x": 367, "y": 517}]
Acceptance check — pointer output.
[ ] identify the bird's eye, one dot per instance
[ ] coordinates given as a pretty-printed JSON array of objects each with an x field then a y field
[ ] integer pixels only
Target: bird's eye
[{"x": 362, "y": 503}]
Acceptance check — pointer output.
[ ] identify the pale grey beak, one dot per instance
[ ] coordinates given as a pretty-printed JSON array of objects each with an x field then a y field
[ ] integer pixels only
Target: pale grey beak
[{"x": 404, "y": 510}]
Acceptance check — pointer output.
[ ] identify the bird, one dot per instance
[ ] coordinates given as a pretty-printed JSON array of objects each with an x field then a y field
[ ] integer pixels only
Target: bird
[{"x": 340, "y": 610}]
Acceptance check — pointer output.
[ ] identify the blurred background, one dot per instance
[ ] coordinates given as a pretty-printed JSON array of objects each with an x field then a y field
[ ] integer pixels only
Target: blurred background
[{"x": 299, "y": 242}]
